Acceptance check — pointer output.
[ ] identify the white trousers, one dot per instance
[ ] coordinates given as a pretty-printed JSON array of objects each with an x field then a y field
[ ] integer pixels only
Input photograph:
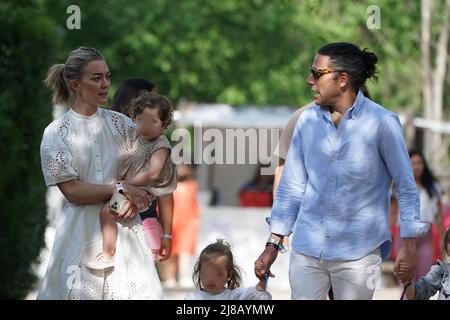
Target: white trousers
[{"x": 311, "y": 278}]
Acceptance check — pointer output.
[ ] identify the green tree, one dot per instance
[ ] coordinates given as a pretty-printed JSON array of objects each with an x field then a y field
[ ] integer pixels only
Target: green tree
[
  {"x": 27, "y": 48},
  {"x": 246, "y": 52}
]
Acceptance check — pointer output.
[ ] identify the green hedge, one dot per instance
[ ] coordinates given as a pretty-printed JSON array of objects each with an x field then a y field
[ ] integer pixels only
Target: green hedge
[{"x": 27, "y": 46}]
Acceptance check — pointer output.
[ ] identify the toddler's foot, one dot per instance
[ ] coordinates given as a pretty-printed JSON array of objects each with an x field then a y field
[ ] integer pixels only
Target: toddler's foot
[{"x": 101, "y": 262}]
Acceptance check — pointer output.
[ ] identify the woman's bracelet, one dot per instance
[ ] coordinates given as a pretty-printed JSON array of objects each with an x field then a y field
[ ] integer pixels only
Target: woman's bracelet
[{"x": 167, "y": 236}]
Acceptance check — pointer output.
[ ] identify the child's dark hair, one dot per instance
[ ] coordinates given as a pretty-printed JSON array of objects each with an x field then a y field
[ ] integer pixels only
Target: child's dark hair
[
  {"x": 218, "y": 249},
  {"x": 150, "y": 100}
]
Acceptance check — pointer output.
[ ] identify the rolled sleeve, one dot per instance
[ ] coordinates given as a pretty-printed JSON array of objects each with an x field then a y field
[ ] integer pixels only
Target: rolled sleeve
[
  {"x": 394, "y": 153},
  {"x": 290, "y": 189},
  {"x": 413, "y": 229}
]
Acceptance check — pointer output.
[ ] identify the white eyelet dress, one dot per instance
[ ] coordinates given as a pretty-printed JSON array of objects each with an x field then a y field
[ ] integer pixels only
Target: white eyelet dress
[{"x": 88, "y": 149}]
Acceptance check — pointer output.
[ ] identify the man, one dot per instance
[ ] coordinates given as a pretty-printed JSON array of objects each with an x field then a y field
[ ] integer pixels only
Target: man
[{"x": 334, "y": 190}]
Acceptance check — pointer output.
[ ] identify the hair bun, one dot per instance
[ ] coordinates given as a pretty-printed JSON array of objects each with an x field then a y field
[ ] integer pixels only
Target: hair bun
[{"x": 370, "y": 60}]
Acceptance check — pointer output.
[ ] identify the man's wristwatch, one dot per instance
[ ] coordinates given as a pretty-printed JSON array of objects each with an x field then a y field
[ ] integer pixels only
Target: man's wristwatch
[
  {"x": 119, "y": 187},
  {"x": 272, "y": 242}
]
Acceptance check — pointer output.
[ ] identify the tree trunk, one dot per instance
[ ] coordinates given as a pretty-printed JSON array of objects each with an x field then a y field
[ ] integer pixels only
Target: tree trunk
[
  {"x": 434, "y": 78},
  {"x": 440, "y": 150}
]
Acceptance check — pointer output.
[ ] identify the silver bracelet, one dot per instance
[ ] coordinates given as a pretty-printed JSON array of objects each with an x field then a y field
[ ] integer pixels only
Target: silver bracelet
[{"x": 167, "y": 236}]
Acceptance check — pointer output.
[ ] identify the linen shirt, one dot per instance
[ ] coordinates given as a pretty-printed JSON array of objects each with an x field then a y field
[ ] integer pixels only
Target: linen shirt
[{"x": 334, "y": 189}]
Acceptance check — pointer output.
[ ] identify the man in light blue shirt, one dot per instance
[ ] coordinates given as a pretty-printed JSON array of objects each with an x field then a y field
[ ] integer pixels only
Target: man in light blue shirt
[{"x": 334, "y": 190}]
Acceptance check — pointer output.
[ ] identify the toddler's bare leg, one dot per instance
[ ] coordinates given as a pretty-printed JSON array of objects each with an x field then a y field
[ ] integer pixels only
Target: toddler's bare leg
[{"x": 109, "y": 231}]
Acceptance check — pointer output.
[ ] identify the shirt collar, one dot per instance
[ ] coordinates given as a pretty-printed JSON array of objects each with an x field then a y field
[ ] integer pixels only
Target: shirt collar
[
  {"x": 80, "y": 116},
  {"x": 352, "y": 112},
  {"x": 356, "y": 107}
]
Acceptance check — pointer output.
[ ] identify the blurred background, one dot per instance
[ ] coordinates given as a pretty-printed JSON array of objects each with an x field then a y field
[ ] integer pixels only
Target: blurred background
[{"x": 232, "y": 65}]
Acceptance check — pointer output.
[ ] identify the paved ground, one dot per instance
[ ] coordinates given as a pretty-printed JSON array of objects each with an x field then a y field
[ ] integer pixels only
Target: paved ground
[
  {"x": 380, "y": 294},
  {"x": 246, "y": 230},
  {"x": 179, "y": 294}
]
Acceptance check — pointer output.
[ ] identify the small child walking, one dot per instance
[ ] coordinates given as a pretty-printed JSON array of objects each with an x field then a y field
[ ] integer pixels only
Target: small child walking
[{"x": 216, "y": 277}]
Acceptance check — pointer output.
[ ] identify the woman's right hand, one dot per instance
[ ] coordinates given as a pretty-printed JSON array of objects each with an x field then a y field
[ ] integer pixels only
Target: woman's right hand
[{"x": 137, "y": 196}]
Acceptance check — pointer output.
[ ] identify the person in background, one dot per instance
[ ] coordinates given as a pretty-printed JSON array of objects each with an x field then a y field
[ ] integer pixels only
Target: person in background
[
  {"x": 431, "y": 211},
  {"x": 186, "y": 224}
]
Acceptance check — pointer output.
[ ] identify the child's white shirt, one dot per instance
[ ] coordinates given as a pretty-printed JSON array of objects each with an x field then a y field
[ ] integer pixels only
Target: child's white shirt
[{"x": 227, "y": 294}]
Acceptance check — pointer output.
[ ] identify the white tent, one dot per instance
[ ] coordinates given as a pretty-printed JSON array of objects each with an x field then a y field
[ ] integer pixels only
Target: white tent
[
  {"x": 226, "y": 116},
  {"x": 264, "y": 123}
]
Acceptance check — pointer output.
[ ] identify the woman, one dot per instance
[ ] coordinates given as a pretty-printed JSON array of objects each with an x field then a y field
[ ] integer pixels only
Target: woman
[
  {"x": 80, "y": 154},
  {"x": 431, "y": 211}
]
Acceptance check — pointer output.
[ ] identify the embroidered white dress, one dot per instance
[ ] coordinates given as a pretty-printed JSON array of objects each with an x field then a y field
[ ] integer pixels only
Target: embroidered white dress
[{"x": 88, "y": 149}]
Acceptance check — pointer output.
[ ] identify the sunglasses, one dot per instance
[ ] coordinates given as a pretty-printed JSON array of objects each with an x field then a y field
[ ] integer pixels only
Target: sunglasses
[{"x": 317, "y": 73}]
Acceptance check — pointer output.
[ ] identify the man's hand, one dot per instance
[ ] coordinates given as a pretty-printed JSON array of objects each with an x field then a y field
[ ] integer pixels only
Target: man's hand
[
  {"x": 405, "y": 264},
  {"x": 264, "y": 262}
]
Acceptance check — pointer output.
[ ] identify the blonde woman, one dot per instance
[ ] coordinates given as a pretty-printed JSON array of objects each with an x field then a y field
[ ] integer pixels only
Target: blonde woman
[{"x": 80, "y": 154}]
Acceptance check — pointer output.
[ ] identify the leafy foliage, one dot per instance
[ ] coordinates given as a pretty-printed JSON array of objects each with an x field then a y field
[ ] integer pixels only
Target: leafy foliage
[{"x": 26, "y": 50}]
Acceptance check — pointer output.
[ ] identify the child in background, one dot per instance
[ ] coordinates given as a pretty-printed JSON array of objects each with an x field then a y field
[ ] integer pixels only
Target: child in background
[{"x": 216, "y": 277}]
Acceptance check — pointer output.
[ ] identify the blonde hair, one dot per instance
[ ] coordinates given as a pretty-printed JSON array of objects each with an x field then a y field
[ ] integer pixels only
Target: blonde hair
[{"x": 59, "y": 75}]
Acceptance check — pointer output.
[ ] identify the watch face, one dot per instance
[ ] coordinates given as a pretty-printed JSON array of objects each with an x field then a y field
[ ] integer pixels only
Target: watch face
[{"x": 274, "y": 241}]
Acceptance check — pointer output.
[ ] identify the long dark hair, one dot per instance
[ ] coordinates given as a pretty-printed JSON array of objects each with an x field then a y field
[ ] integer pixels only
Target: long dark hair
[
  {"x": 427, "y": 178},
  {"x": 127, "y": 91}
]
